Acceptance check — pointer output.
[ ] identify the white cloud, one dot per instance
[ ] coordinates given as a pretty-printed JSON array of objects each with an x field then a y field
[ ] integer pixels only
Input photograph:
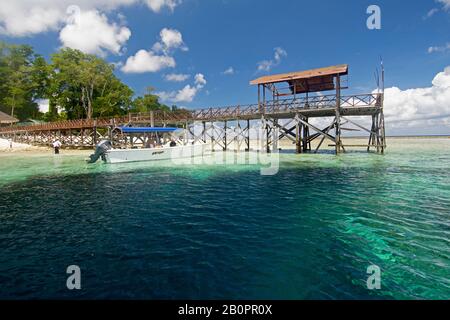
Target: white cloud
[
  {"x": 17, "y": 19},
  {"x": 229, "y": 71},
  {"x": 446, "y": 4},
  {"x": 20, "y": 18},
  {"x": 158, "y": 57},
  {"x": 267, "y": 65},
  {"x": 186, "y": 94},
  {"x": 412, "y": 111},
  {"x": 419, "y": 107},
  {"x": 147, "y": 61},
  {"x": 413, "y": 106},
  {"x": 91, "y": 32},
  {"x": 439, "y": 48},
  {"x": 174, "y": 77},
  {"x": 157, "y": 5},
  {"x": 170, "y": 39},
  {"x": 279, "y": 53},
  {"x": 200, "y": 80},
  {"x": 431, "y": 13},
  {"x": 43, "y": 105}
]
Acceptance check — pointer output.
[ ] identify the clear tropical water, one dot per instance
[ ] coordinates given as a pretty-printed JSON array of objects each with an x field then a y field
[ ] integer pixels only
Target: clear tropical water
[{"x": 156, "y": 231}]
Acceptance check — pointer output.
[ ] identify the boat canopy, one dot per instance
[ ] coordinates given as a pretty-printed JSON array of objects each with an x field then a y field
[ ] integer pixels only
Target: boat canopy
[{"x": 146, "y": 129}]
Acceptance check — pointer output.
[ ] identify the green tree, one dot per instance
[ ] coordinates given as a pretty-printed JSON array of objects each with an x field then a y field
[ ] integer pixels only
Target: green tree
[
  {"x": 78, "y": 85},
  {"x": 115, "y": 99},
  {"x": 85, "y": 86},
  {"x": 22, "y": 72},
  {"x": 148, "y": 102}
]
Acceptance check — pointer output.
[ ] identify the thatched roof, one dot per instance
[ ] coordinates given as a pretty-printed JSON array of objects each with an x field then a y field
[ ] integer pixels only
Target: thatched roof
[
  {"x": 7, "y": 119},
  {"x": 314, "y": 80},
  {"x": 341, "y": 69}
]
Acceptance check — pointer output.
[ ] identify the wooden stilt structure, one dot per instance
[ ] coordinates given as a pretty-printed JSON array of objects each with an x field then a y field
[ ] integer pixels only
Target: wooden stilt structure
[{"x": 287, "y": 116}]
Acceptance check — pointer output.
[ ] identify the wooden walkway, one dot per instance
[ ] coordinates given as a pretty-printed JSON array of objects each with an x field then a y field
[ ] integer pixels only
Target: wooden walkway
[
  {"x": 319, "y": 106},
  {"x": 215, "y": 124}
]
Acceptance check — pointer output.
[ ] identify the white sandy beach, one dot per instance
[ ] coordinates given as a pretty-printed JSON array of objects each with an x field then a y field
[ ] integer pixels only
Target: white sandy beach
[
  {"x": 283, "y": 144},
  {"x": 30, "y": 150},
  {"x": 5, "y": 147}
]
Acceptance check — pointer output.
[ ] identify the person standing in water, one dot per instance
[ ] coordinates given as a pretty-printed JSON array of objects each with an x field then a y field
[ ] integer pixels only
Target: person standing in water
[
  {"x": 10, "y": 143},
  {"x": 56, "y": 145}
]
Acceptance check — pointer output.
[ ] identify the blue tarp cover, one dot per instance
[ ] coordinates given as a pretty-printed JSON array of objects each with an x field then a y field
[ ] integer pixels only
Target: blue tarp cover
[{"x": 146, "y": 129}]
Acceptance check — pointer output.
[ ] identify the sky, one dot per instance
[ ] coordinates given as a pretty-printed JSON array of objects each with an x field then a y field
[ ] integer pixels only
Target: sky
[{"x": 203, "y": 53}]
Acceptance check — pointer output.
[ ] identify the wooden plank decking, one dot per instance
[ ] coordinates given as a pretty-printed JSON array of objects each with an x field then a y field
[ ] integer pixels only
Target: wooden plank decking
[{"x": 318, "y": 106}]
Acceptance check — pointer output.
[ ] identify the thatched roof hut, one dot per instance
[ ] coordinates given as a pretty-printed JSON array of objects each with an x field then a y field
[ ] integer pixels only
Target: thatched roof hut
[{"x": 7, "y": 119}]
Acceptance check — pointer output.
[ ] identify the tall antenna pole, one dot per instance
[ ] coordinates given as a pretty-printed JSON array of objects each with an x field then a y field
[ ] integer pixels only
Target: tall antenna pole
[
  {"x": 382, "y": 75},
  {"x": 376, "y": 75}
]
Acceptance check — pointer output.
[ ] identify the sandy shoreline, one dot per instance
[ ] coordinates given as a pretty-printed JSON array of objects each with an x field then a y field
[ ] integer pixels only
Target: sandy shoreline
[
  {"x": 5, "y": 146},
  {"x": 285, "y": 144}
]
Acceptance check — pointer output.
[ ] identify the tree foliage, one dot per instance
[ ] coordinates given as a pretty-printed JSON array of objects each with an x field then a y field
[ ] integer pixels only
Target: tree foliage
[
  {"x": 148, "y": 102},
  {"x": 77, "y": 85},
  {"x": 85, "y": 86},
  {"x": 20, "y": 84}
]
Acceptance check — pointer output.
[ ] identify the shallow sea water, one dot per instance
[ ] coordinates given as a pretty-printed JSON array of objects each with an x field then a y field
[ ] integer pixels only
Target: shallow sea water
[{"x": 163, "y": 231}]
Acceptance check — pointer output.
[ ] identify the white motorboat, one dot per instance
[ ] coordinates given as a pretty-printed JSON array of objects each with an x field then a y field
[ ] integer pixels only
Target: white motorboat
[
  {"x": 174, "y": 149},
  {"x": 151, "y": 154}
]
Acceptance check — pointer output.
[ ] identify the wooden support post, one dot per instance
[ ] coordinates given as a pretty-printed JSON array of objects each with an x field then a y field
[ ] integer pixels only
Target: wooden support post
[
  {"x": 204, "y": 131},
  {"x": 248, "y": 136},
  {"x": 372, "y": 133},
  {"x": 305, "y": 137},
  {"x": 95, "y": 132},
  {"x": 383, "y": 129},
  {"x": 237, "y": 135},
  {"x": 113, "y": 125},
  {"x": 308, "y": 138},
  {"x": 261, "y": 133},
  {"x": 275, "y": 136},
  {"x": 259, "y": 98},
  {"x": 383, "y": 132},
  {"x": 264, "y": 99},
  {"x": 186, "y": 133},
  {"x": 225, "y": 142},
  {"x": 212, "y": 136},
  {"x": 338, "y": 114},
  {"x": 378, "y": 132},
  {"x": 298, "y": 139},
  {"x": 110, "y": 135}
]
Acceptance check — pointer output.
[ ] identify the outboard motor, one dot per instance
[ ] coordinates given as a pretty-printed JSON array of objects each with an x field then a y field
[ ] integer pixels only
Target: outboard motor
[{"x": 100, "y": 151}]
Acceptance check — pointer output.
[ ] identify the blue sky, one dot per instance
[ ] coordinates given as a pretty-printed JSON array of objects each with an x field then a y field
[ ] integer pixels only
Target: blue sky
[{"x": 219, "y": 34}]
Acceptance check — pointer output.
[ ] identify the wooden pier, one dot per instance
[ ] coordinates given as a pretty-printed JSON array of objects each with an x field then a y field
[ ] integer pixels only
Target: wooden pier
[{"x": 284, "y": 109}]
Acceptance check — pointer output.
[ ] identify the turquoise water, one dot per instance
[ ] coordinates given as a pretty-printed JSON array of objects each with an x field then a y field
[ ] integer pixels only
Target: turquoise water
[{"x": 154, "y": 230}]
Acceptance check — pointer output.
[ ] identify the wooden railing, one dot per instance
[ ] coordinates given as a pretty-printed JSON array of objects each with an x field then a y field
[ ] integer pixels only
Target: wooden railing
[
  {"x": 253, "y": 111},
  {"x": 286, "y": 106}
]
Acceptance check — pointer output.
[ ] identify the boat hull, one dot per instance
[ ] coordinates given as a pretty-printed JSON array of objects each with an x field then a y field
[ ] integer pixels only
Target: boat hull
[{"x": 153, "y": 154}]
